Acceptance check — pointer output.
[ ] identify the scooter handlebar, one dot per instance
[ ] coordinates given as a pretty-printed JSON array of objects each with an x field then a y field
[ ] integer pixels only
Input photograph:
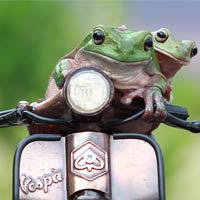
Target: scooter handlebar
[{"x": 176, "y": 116}]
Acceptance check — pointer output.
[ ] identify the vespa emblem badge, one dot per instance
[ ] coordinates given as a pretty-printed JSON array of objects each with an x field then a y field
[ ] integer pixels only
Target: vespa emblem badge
[{"x": 89, "y": 161}]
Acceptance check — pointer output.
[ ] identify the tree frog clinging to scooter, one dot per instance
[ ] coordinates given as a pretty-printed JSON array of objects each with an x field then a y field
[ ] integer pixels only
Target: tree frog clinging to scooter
[
  {"x": 172, "y": 54},
  {"x": 127, "y": 57}
]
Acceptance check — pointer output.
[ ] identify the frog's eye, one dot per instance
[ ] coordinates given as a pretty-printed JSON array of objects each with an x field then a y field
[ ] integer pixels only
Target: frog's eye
[
  {"x": 161, "y": 36},
  {"x": 194, "y": 52},
  {"x": 148, "y": 44},
  {"x": 98, "y": 37}
]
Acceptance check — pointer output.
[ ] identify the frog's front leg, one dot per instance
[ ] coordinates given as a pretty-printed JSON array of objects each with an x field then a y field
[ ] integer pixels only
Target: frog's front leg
[
  {"x": 61, "y": 70},
  {"x": 57, "y": 77},
  {"x": 154, "y": 102}
]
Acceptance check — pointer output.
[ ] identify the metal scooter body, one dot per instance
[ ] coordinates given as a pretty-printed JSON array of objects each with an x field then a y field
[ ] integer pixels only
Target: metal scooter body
[{"x": 122, "y": 166}]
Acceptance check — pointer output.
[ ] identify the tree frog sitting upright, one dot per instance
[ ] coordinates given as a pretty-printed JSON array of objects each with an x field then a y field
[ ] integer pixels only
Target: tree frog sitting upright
[
  {"x": 127, "y": 57},
  {"x": 172, "y": 54}
]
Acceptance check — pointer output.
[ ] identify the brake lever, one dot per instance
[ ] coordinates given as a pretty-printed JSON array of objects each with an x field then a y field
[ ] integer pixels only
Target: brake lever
[
  {"x": 9, "y": 118},
  {"x": 14, "y": 117}
]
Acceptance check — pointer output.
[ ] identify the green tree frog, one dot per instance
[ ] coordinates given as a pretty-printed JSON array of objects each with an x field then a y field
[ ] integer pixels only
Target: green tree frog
[
  {"x": 172, "y": 54},
  {"x": 127, "y": 57}
]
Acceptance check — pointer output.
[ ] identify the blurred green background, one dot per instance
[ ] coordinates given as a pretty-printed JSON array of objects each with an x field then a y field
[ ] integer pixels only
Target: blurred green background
[{"x": 35, "y": 34}]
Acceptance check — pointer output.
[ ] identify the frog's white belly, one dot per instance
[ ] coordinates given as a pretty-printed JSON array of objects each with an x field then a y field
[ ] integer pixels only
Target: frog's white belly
[{"x": 124, "y": 75}]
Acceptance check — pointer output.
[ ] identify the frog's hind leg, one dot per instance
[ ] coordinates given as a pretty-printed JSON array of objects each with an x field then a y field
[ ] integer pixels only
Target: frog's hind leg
[
  {"x": 127, "y": 98},
  {"x": 154, "y": 102}
]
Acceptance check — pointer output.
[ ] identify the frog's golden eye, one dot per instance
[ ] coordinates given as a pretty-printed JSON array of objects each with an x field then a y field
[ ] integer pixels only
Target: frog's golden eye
[
  {"x": 98, "y": 37},
  {"x": 161, "y": 36},
  {"x": 194, "y": 52},
  {"x": 148, "y": 44}
]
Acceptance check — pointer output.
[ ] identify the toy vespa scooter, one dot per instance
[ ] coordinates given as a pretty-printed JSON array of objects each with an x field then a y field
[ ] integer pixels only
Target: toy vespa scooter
[
  {"x": 84, "y": 143},
  {"x": 93, "y": 160}
]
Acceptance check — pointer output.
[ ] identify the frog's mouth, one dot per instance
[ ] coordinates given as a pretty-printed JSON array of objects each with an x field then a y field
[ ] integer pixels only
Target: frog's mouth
[
  {"x": 105, "y": 59},
  {"x": 168, "y": 55}
]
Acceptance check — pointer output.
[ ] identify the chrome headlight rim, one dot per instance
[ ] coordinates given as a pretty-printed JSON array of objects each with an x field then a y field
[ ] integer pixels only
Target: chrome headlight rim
[{"x": 74, "y": 74}]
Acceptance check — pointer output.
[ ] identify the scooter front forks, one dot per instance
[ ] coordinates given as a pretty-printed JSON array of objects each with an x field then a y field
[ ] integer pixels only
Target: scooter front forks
[{"x": 88, "y": 166}]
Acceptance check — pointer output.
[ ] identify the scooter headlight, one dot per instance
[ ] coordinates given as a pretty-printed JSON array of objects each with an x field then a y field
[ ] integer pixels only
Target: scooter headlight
[{"x": 88, "y": 91}]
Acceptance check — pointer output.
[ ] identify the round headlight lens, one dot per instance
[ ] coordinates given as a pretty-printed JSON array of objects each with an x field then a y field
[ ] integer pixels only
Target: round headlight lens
[{"x": 88, "y": 91}]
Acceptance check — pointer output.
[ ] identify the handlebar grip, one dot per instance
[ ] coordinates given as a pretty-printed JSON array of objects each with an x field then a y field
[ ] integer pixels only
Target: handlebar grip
[
  {"x": 177, "y": 111},
  {"x": 193, "y": 126}
]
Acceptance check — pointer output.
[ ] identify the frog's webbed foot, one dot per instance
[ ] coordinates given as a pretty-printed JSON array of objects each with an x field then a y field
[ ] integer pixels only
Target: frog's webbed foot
[
  {"x": 154, "y": 105},
  {"x": 154, "y": 102}
]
